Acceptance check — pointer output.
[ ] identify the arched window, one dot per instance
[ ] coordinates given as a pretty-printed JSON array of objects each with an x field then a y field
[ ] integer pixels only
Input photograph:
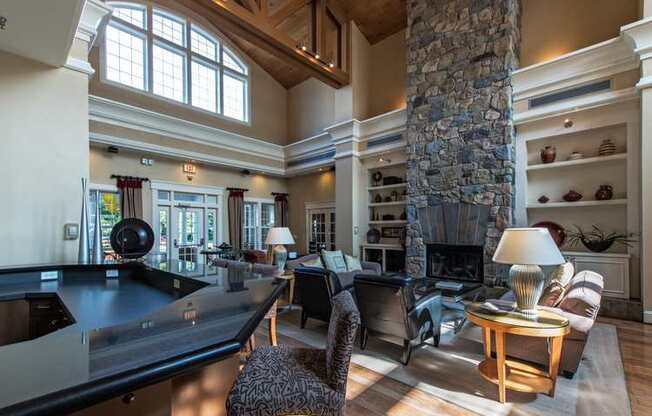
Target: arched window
[{"x": 158, "y": 52}]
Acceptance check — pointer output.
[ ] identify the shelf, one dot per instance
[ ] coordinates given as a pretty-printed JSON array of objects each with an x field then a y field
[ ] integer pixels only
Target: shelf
[
  {"x": 580, "y": 162},
  {"x": 387, "y": 204},
  {"x": 578, "y": 204},
  {"x": 395, "y": 222},
  {"x": 383, "y": 246},
  {"x": 380, "y": 188}
]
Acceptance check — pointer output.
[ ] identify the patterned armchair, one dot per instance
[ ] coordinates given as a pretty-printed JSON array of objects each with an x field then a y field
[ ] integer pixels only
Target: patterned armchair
[{"x": 300, "y": 381}]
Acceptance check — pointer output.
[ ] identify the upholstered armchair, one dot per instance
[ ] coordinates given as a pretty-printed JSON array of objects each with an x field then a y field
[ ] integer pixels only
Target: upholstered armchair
[
  {"x": 315, "y": 288},
  {"x": 300, "y": 381},
  {"x": 345, "y": 278},
  {"x": 389, "y": 306}
]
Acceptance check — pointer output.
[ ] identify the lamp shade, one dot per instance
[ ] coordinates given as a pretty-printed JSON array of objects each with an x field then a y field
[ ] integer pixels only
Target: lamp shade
[
  {"x": 528, "y": 246},
  {"x": 279, "y": 235}
]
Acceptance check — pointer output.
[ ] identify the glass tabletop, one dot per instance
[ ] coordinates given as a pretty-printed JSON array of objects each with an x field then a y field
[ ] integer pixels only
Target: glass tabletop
[{"x": 510, "y": 317}]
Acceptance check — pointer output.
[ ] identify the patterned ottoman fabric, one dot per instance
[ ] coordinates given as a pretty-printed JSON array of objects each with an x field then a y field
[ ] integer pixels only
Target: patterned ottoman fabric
[{"x": 284, "y": 381}]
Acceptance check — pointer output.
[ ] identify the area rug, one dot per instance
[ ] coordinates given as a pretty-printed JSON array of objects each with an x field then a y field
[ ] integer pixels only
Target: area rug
[{"x": 450, "y": 372}]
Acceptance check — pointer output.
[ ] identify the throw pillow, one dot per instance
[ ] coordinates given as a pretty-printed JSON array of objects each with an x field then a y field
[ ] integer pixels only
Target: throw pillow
[
  {"x": 352, "y": 264},
  {"x": 552, "y": 295},
  {"x": 334, "y": 261},
  {"x": 562, "y": 274},
  {"x": 313, "y": 263}
]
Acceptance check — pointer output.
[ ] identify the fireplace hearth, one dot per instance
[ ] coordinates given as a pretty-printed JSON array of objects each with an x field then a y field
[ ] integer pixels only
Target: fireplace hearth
[{"x": 464, "y": 263}]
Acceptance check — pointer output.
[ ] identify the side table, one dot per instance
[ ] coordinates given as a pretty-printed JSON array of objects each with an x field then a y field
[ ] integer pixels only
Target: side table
[
  {"x": 289, "y": 276},
  {"x": 512, "y": 374}
]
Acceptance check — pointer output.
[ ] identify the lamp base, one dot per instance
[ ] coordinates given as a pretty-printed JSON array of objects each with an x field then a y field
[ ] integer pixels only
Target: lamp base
[
  {"x": 527, "y": 283},
  {"x": 280, "y": 255}
]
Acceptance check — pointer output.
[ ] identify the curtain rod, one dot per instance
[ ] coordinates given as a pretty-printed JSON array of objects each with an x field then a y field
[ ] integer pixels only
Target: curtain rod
[
  {"x": 280, "y": 194},
  {"x": 129, "y": 177},
  {"x": 237, "y": 189}
]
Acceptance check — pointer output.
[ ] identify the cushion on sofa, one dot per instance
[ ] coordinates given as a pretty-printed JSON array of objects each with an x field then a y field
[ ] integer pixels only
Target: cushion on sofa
[
  {"x": 313, "y": 263},
  {"x": 552, "y": 295},
  {"x": 352, "y": 264},
  {"x": 562, "y": 274},
  {"x": 334, "y": 260},
  {"x": 583, "y": 294}
]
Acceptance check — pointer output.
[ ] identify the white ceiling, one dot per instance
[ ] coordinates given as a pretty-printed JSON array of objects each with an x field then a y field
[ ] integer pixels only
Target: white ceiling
[{"x": 42, "y": 30}]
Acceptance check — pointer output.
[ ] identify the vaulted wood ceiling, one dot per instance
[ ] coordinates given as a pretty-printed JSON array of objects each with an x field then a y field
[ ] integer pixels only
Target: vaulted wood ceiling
[{"x": 376, "y": 19}]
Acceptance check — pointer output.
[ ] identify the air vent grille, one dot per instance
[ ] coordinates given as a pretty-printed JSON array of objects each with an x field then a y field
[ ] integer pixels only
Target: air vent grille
[{"x": 571, "y": 93}]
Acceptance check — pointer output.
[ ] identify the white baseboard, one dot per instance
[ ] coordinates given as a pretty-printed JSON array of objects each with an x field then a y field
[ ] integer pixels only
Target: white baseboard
[{"x": 647, "y": 317}]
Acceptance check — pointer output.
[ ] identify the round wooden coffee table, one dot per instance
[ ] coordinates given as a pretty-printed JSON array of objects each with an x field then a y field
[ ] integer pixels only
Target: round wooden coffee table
[{"x": 512, "y": 374}]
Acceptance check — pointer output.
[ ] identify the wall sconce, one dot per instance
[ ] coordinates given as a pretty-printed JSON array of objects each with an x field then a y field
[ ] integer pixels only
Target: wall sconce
[
  {"x": 190, "y": 170},
  {"x": 568, "y": 123},
  {"x": 3, "y": 23}
]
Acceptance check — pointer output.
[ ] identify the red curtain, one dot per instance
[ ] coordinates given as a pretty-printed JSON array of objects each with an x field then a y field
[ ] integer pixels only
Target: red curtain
[
  {"x": 281, "y": 210},
  {"x": 235, "y": 209}
]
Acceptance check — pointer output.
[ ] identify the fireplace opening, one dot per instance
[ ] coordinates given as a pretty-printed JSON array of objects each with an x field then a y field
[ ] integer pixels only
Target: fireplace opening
[{"x": 464, "y": 263}]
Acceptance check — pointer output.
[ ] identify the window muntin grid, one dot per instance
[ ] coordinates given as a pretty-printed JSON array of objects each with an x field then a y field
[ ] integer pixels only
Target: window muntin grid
[{"x": 172, "y": 41}]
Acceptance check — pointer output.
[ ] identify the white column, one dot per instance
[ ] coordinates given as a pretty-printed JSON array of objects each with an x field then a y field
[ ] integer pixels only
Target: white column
[
  {"x": 640, "y": 34},
  {"x": 348, "y": 169}
]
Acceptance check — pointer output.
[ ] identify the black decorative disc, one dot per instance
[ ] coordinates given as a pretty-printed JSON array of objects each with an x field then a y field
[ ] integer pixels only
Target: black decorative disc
[{"x": 132, "y": 238}]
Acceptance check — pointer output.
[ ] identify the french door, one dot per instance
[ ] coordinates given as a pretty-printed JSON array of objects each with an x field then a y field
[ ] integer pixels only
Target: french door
[
  {"x": 187, "y": 220},
  {"x": 321, "y": 227},
  {"x": 189, "y": 238}
]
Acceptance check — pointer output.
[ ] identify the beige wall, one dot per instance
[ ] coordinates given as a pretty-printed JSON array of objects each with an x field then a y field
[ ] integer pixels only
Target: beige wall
[
  {"x": 268, "y": 98},
  {"x": 577, "y": 24},
  {"x": 314, "y": 187},
  {"x": 311, "y": 108},
  {"x": 360, "y": 74},
  {"x": 43, "y": 156},
  {"x": 388, "y": 73},
  {"x": 104, "y": 164}
]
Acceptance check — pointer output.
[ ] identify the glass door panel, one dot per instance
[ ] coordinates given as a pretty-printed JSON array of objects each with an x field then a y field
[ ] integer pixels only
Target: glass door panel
[{"x": 189, "y": 239}]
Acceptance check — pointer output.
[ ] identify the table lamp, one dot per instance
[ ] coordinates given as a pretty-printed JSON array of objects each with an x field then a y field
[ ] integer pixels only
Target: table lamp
[
  {"x": 526, "y": 249},
  {"x": 278, "y": 236}
]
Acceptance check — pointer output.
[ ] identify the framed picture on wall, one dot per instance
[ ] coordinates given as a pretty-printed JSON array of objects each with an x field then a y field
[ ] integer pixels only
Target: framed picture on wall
[{"x": 392, "y": 232}]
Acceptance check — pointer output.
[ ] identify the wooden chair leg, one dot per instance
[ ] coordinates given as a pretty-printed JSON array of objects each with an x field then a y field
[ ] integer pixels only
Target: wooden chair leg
[
  {"x": 304, "y": 318},
  {"x": 272, "y": 331},
  {"x": 252, "y": 342}
]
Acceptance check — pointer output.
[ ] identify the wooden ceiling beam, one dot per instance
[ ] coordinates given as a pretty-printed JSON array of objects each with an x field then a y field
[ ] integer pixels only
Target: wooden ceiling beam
[
  {"x": 252, "y": 6},
  {"x": 231, "y": 17},
  {"x": 288, "y": 9}
]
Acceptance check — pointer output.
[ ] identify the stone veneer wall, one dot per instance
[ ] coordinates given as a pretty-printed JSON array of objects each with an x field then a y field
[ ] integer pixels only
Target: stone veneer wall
[{"x": 459, "y": 129}]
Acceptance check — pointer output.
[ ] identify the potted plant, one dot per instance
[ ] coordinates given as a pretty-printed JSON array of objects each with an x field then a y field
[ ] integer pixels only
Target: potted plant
[{"x": 597, "y": 240}]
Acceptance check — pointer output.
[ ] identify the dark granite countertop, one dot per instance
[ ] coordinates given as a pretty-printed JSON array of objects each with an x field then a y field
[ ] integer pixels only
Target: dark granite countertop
[{"x": 154, "y": 321}]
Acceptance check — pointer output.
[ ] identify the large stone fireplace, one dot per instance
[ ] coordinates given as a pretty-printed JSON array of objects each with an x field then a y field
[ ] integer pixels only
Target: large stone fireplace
[{"x": 459, "y": 129}]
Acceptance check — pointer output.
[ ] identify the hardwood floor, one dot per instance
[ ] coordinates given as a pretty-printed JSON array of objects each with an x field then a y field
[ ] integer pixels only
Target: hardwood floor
[
  {"x": 370, "y": 393},
  {"x": 636, "y": 349}
]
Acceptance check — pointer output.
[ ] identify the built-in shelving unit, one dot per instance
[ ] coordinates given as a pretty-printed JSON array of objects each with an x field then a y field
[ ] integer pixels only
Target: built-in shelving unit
[
  {"x": 579, "y": 162},
  {"x": 578, "y": 204},
  {"x": 388, "y": 217}
]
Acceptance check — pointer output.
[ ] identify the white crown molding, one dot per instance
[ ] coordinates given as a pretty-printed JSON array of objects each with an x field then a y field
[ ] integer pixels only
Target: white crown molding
[
  {"x": 392, "y": 122},
  {"x": 644, "y": 83},
  {"x": 575, "y": 105},
  {"x": 344, "y": 132},
  {"x": 176, "y": 153},
  {"x": 599, "y": 61},
  {"x": 310, "y": 146},
  {"x": 79, "y": 65},
  {"x": 640, "y": 35},
  {"x": 124, "y": 115},
  {"x": 93, "y": 14}
]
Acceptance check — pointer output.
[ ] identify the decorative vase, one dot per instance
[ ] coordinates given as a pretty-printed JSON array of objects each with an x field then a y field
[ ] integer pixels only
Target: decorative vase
[
  {"x": 604, "y": 193},
  {"x": 572, "y": 196},
  {"x": 98, "y": 252},
  {"x": 527, "y": 283},
  {"x": 378, "y": 199},
  {"x": 377, "y": 177},
  {"x": 548, "y": 154},
  {"x": 543, "y": 199},
  {"x": 373, "y": 236},
  {"x": 84, "y": 254},
  {"x": 607, "y": 148}
]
